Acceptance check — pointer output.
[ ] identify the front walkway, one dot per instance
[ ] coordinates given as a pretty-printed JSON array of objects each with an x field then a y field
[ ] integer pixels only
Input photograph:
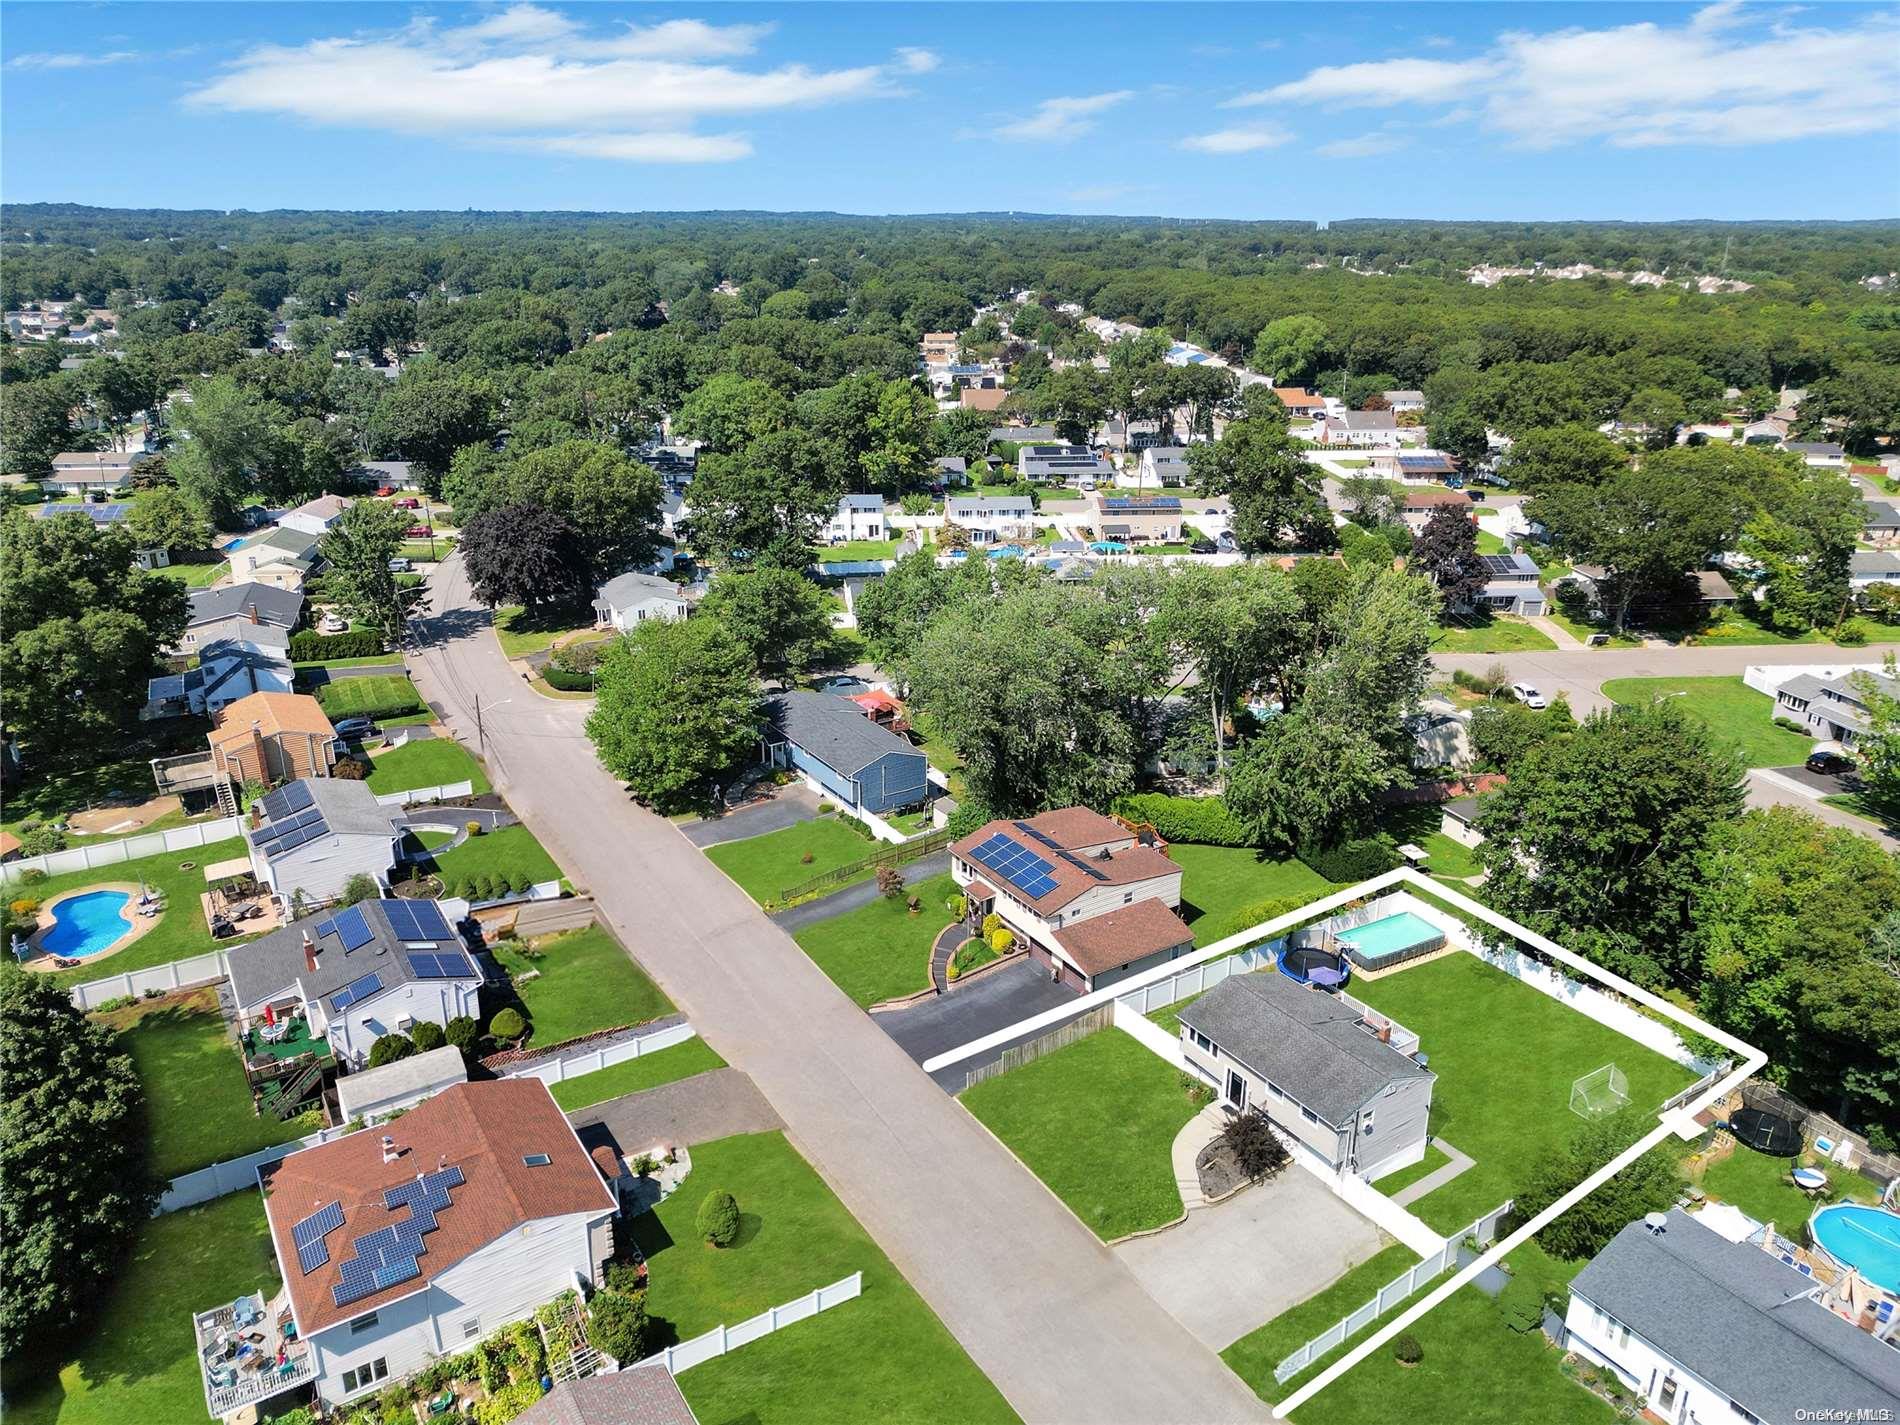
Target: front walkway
[
  {"x": 1565, "y": 640},
  {"x": 1435, "y": 1179},
  {"x": 1195, "y": 1135},
  {"x": 941, "y": 949}
]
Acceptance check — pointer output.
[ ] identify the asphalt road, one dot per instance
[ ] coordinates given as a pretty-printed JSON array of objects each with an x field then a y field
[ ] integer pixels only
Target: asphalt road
[{"x": 1053, "y": 1318}]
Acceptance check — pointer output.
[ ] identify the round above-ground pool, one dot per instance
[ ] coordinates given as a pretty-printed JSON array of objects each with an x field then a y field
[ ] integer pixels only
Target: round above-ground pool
[
  {"x": 1310, "y": 965},
  {"x": 86, "y": 924},
  {"x": 1864, "y": 1238}
]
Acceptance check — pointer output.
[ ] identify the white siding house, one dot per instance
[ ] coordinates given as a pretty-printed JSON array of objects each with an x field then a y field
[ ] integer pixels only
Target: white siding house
[
  {"x": 311, "y": 836},
  {"x": 857, "y": 517},
  {"x": 633, "y": 599}
]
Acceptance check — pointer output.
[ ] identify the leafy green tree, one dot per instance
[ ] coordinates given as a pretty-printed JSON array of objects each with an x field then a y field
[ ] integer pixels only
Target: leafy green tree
[
  {"x": 1308, "y": 781},
  {"x": 617, "y": 1322},
  {"x": 1459, "y": 432},
  {"x": 899, "y": 439},
  {"x": 962, "y": 433},
  {"x": 894, "y": 611},
  {"x": 1229, "y": 629},
  {"x": 729, "y": 413},
  {"x": 1878, "y": 746},
  {"x": 1660, "y": 413},
  {"x": 82, "y": 630},
  {"x": 1074, "y": 400},
  {"x": 427, "y": 418},
  {"x": 1597, "y": 839},
  {"x": 358, "y": 549},
  {"x": 1562, "y": 455},
  {"x": 1289, "y": 349},
  {"x": 36, "y": 423},
  {"x": 72, "y": 1153},
  {"x": 508, "y": 1026},
  {"x": 779, "y": 616},
  {"x": 233, "y": 433},
  {"x": 389, "y": 1048},
  {"x": 1503, "y": 734},
  {"x": 528, "y": 555},
  {"x": 1650, "y": 1184},
  {"x": 1278, "y": 501},
  {"x": 675, "y": 711},
  {"x": 1803, "y": 539},
  {"x": 357, "y": 888},
  {"x": 1369, "y": 501},
  {"x": 765, "y": 504},
  {"x": 611, "y": 502},
  {"x": 717, "y": 1220},
  {"x": 161, "y": 518}
]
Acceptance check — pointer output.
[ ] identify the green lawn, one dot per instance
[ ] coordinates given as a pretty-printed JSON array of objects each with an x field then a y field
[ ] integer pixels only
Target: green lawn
[
  {"x": 198, "y": 1106},
  {"x": 1735, "y": 629},
  {"x": 1855, "y": 804},
  {"x": 766, "y": 866},
  {"x": 1434, "y": 1159},
  {"x": 195, "y": 576},
  {"x": 648, "y": 1071},
  {"x": 509, "y": 852},
  {"x": 370, "y": 660},
  {"x": 181, "y": 929},
  {"x": 1096, "y": 1121},
  {"x": 884, "y": 1358},
  {"x": 587, "y": 982},
  {"x": 1419, "y": 826},
  {"x": 1584, "y": 632},
  {"x": 855, "y": 549},
  {"x": 136, "y": 1360},
  {"x": 1489, "y": 543},
  {"x": 1759, "y": 1186},
  {"x": 1505, "y": 1056},
  {"x": 1503, "y": 634},
  {"x": 1254, "y": 1355},
  {"x": 521, "y": 633},
  {"x": 432, "y": 762},
  {"x": 380, "y": 696},
  {"x": 881, "y": 950},
  {"x": 1475, "y": 1372},
  {"x": 1734, "y": 712},
  {"x": 1216, "y": 881}
]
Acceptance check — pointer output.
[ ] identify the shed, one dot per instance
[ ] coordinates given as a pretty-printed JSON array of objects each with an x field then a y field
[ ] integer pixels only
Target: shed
[{"x": 400, "y": 1085}]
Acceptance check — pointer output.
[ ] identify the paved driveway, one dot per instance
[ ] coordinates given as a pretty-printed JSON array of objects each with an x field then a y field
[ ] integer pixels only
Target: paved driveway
[
  {"x": 1238, "y": 1264},
  {"x": 1060, "y": 1325},
  {"x": 1825, "y": 784},
  {"x": 792, "y": 805},
  {"x": 995, "y": 1001},
  {"x": 715, "y": 1104},
  {"x": 857, "y": 896}
]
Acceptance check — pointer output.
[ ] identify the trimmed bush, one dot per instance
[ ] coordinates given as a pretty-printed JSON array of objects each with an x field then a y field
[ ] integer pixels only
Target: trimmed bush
[
  {"x": 565, "y": 680},
  {"x": 718, "y": 1219},
  {"x": 310, "y": 646},
  {"x": 390, "y": 1048},
  {"x": 617, "y": 1325},
  {"x": 991, "y": 924},
  {"x": 463, "y": 1032},
  {"x": 1407, "y": 1351},
  {"x": 966, "y": 819},
  {"x": 348, "y": 769},
  {"x": 1204, "y": 820},
  {"x": 1357, "y": 860},
  {"x": 507, "y": 1026},
  {"x": 428, "y": 1035},
  {"x": 957, "y": 906},
  {"x": 1001, "y": 939}
]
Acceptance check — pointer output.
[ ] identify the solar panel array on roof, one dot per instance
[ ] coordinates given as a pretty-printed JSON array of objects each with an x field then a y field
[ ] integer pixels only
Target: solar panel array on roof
[
  {"x": 356, "y": 990},
  {"x": 388, "y": 1255},
  {"x": 312, "y": 1250},
  {"x": 1016, "y": 864},
  {"x": 440, "y": 967},
  {"x": 353, "y": 930},
  {"x": 287, "y": 800},
  {"x": 1059, "y": 849},
  {"x": 1499, "y": 563},
  {"x": 325, "y": 927},
  {"x": 1141, "y": 502},
  {"x": 1423, "y": 462}
]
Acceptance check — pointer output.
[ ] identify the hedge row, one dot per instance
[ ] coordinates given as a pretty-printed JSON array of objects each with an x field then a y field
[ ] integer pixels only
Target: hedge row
[
  {"x": 1246, "y": 916},
  {"x": 310, "y": 645},
  {"x": 1350, "y": 861},
  {"x": 567, "y": 682},
  {"x": 1204, "y": 820}
]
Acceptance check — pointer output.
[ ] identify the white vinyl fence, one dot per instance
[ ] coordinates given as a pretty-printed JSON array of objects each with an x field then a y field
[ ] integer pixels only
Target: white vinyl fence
[
  {"x": 722, "y": 1339},
  {"x": 101, "y": 854},
  {"x": 172, "y": 975},
  {"x": 1198, "y": 979},
  {"x": 1484, "y": 1231},
  {"x": 584, "y": 1059},
  {"x": 426, "y": 794},
  {"x": 234, "y": 1174}
]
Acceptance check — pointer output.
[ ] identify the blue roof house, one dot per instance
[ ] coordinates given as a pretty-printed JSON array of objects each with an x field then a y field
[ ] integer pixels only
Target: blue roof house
[{"x": 830, "y": 740}]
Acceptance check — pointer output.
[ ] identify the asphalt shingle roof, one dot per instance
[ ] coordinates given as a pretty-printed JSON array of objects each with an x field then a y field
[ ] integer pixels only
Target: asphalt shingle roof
[
  {"x": 1307, "y": 1042},
  {"x": 646, "y": 1396},
  {"x": 273, "y": 963},
  {"x": 832, "y": 729},
  {"x": 1733, "y": 1315},
  {"x": 279, "y": 606}
]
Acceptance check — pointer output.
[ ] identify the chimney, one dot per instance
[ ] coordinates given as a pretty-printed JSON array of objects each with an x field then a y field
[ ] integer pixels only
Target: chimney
[
  {"x": 251, "y": 609},
  {"x": 309, "y": 952},
  {"x": 1385, "y": 1033},
  {"x": 390, "y": 1151}
]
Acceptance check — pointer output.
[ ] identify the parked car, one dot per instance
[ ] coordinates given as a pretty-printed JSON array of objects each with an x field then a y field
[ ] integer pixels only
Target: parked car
[
  {"x": 423, "y": 531},
  {"x": 333, "y": 623},
  {"x": 1830, "y": 763},
  {"x": 1453, "y": 482},
  {"x": 354, "y": 727},
  {"x": 1474, "y": 495},
  {"x": 1528, "y": 695},
  {"x": 412, "y": 503},
  {"x": 1201, "y": 546},
  {"x": 400, "y": 565}
]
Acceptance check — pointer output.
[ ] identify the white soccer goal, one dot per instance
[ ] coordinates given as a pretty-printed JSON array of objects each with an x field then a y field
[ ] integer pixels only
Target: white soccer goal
[{"x": 1598, "y": 1092}]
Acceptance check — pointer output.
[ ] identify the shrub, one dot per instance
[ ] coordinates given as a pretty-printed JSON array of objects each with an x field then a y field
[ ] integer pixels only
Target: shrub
[
  {"x": 389, "y": 1048},
  {"x": 1248, "y": 916},
  {"x": 1198, "y": 1090},
  {"x": 358, "y": 888},
  {"x": 567, "y": 680},
  {"x": 957, "y": 906},
  {"x": 1407, "y": 1351},
  {"x": 106, "y": 1006},
  {"x": 32, "y": 876},
  {"x": 463, "y": 1033},
  {"x": 824, "y": 807},
  {"x": 991, "y": 924},
  {"x": 428, "y": 1035},
  {"x": 581, "y": 658},
  {"x": 1357, "y": 860},
  {"x": 1788, "y": 724},
  {"x": 1257, "y": 1149},
  {"x": 966, "y": 819},
  {"x": 503, "y": 1404},
  {"x": 645, "y": 1165},
  {"x": 473, "y": 828},
  {"x": 1851, "y": 634},
  {"x": 617, "y": 1324},
  {"x": 718, "y": 1219},
  {"x": 310, "y": 645},
  {"x": 507, "y": 1026},
  {"x": 1203, "y": 820},
  {"x": 1001, "y": 939},
  {"x": 348, "y": 769},
  {"x": 38, "y": 840},
  {"x": 890, "y": 882}
]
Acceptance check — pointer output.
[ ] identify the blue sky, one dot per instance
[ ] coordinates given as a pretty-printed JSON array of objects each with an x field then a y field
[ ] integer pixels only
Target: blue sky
[{"x": 1300, "y": 111}]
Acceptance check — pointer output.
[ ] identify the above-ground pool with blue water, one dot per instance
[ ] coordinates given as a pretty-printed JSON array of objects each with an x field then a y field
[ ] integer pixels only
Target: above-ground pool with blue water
[
  {"x": 1391, "y": 938},
  {"x": 85, "y": 925},
  {"x": 1865, "y": 1238}
]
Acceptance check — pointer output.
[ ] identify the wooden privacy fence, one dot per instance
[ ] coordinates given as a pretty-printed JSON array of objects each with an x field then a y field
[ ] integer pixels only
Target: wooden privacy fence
[
  {"x": 722, "y": 1339},
  {"x": 1060, "y": 1037},
  {"x": 1484, "y": 1231},
  {"x": 910, "y": 850}
]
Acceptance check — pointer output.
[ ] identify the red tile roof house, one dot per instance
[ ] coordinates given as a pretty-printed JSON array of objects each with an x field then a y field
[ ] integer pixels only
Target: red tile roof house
[
  {"x": 401, "y": 1246},
  {"x": 1092, "y": 904}
]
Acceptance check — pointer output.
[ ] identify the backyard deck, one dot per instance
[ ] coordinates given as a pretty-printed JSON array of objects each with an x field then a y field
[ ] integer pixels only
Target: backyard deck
[{"x": 248, "y": 1352}]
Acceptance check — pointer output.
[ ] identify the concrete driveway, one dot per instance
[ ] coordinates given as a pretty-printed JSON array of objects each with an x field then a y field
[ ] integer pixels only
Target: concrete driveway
[
  {"x": 1238, "y": 1264},
  {"x": 792, "y": 804},
  {"x": 995, "y": 1001}
]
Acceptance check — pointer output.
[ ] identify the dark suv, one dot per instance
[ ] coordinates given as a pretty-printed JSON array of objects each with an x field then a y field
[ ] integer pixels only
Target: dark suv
[{"x": 1830, "y": 762}]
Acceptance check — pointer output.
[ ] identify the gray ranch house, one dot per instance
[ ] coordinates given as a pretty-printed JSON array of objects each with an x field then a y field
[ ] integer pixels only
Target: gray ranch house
[
  {"x": 844, "y": 753},
  {"x": 311, "y": 836}
]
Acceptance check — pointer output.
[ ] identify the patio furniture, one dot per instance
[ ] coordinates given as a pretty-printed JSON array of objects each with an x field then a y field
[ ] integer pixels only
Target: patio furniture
[
  {"x": 1809, "y": 1179},
  {"x": 443, "y": 1403}
]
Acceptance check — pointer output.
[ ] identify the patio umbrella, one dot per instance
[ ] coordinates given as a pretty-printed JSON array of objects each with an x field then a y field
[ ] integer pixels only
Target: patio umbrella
[{"x": 270, "y": 1014}]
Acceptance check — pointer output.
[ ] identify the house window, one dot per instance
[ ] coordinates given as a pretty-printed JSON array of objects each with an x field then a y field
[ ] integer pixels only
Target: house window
[
  {"x": 363, "y": 1323},
  {"x": 1365, "y": 1125},
  {"x": 471, "y": 1328},
  {"x": 1127, "y": 896},
  {"x": 1667, "y": 1397},
  {"x": 365, "y": 1375},
  {"x": 1203, "y": 1043},
  {"x": 1308, "y": 1114}
]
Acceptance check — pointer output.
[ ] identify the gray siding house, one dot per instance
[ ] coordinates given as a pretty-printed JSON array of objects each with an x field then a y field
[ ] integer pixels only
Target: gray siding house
[
  {"x": 1315, "y": 1066},
  {"x": 830, "y": 740},
  {"x": 311, "y": 836},
  {"x": 1831, "y": 709}
]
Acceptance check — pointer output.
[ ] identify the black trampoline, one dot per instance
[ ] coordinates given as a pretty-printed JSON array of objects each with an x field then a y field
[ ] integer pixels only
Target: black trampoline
[
  {"x": 1766, "y": 1132},
  {"x": 1310, "y": 965}
]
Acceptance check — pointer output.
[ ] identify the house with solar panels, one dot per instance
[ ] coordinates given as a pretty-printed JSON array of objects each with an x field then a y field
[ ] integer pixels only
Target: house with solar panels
[
  {"x": 1132, "y": 519},
  {"x": 1418, "y": 467},
  {"x": 469, "y": 1213},
  {"x": 310, "y": 836},
  {"x": 1091, "y": 901},
  {"x": 378, "y": 967},
  {"x": 1512, "y": 585}
]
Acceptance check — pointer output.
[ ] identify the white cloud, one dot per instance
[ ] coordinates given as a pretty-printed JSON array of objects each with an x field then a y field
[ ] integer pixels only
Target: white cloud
[
  {"x": 917, "y": 61},
  {"x": 1059, "y": 120},
  {"x": 1365, "y": 146},
  {"x": 44, "y": 60},
  {"x": 1727, "y": 75},
  {"x": 1245, "y": 140},
  {"x": 532, "y": 77}
]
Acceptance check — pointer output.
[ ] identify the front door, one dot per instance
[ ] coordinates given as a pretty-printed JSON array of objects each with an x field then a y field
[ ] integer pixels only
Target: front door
[{"x": 1236, "y": 1090}]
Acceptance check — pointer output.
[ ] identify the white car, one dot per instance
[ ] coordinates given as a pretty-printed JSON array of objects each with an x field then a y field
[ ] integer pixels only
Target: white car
[{"x": 1528, "y": 695}]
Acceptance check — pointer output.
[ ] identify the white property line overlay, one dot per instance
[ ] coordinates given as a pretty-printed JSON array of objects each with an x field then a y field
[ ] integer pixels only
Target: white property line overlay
[{"x": 1751, "y": 1060}]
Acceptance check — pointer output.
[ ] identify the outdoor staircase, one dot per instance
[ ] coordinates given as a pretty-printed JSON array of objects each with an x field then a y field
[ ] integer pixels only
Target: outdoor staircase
[
  {"x": 285, "y": 1104},
  {"x": 227, "y": 798}
]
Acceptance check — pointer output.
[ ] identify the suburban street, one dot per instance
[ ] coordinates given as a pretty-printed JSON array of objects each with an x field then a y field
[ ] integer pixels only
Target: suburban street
[{"x": 1050, "y": 1314}]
